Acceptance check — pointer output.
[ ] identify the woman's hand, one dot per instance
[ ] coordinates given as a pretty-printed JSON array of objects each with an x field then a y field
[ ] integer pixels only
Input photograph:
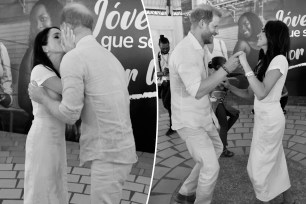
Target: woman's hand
[
  {"x": 225, "y": 84},
  {"x": 244, "y": 62},
  {"x": 67, "y": 38}
]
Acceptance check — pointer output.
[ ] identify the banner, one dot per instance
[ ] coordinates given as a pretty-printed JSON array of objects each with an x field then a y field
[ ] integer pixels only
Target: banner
[{"x": 293, "y": 13}]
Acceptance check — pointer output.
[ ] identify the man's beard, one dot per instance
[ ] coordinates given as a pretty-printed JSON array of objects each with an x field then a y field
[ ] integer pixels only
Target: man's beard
[{"x": 207, "y": 39}]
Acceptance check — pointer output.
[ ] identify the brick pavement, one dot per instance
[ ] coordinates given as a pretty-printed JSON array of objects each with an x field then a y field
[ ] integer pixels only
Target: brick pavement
[
  {"x": 173, "y": 162},
  {"x": 12, "y": 157}
]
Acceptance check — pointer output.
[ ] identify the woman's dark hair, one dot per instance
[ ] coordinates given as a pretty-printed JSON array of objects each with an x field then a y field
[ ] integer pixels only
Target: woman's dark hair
[
  {"x": 39, "y": 56},
  {"x": 278, "y": 40},
  {"x": 54, "y": 9},
  {"x": 256, "y": 25},
  {"x": 163, "y": 40}
]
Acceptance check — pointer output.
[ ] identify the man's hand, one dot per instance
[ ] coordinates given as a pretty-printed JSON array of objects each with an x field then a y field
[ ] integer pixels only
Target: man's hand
[
  {"x": 36, "y": 93},
  {"x": 67, "y": 38},
  {"x": 233, "y": 62}
]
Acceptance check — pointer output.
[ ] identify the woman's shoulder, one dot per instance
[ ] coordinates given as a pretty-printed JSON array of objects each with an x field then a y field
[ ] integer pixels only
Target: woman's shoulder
[
  {"x": 280, "y": 59},
  {"x": 279, "y": 62},
  {"x": 41, "y": 70}
]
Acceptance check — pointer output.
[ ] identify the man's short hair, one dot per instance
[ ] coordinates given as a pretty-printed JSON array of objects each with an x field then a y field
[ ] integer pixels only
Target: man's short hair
[
  {"x": 77, "y": 14},
  {"x": 205, "y": 12}
]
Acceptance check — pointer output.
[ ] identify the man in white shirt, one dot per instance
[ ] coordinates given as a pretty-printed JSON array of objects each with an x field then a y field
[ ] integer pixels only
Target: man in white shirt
[
  {"x": 95, "y": 88},
  {"x": 192, "y": 115}
]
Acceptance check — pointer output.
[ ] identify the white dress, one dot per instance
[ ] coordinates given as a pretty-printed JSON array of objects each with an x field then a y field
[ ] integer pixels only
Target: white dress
[
  {"x": 267, "y": 167},
  {"x": 45, "y": 179}
]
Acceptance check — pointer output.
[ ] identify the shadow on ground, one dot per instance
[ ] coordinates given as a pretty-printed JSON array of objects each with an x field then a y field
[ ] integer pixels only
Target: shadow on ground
[{"x": 234, "y": 186}]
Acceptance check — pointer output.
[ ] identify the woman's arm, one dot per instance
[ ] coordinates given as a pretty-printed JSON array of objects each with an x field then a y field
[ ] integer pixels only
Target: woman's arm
[
  {"x": 243, "y": 93},
  {"x": 241, "y": 45},
  {"x": 54, "y": 83},
  {"x": 260, "y": 89}
]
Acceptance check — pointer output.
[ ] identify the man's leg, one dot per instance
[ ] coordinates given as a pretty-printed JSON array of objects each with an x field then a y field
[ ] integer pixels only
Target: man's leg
[
  {"x": 205, "y": 150},
  {"x": 107, "y": 180},
  {"x": 167, "y": 105}
]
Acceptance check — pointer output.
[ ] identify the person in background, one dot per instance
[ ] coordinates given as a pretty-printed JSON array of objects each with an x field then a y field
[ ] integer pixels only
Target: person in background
[
  {"x": 44, "y": 13},
  {"x": 162, "y": 64},
  {"x": 267, "y": 167},
  {"x": 6, "y": 90},
  {"x": 227, "y": 115},
  {"x": 249, "y": 26},
  {"x": 284, "y": 99}
]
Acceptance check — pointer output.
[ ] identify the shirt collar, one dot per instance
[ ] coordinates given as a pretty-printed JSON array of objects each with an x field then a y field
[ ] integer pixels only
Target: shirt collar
[
  {"x": 84, "y": 40},
  {"x": 194, "y": 41}
]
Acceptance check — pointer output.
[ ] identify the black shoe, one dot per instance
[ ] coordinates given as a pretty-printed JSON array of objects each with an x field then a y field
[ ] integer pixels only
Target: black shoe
[
  {"x": 170, "y": 132},
  {"x": 227, "y": 153},
  {"x": 179, "y": 198}
]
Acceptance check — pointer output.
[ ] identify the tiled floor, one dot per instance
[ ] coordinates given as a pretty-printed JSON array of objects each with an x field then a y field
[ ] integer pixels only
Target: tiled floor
[
  {"x": 12, "y": 158},
  {"x": 173, "y": 162}
]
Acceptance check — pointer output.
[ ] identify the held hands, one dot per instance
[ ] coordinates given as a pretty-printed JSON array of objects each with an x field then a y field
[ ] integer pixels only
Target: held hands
[
  {"x": 225, "y": 84},
  {"x": 67, "y": 38},
  {"x": 233, "y": 62},
  {"x": 36, "y": 93},
  {"x": 243, "y": 60}
]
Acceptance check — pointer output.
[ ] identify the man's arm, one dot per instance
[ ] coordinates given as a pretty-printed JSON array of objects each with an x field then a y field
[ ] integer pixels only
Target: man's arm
[
  {"x": 69, "y": 109},
  {"x": 208, "y": 84},
  {"x": 39, "y": 94}
]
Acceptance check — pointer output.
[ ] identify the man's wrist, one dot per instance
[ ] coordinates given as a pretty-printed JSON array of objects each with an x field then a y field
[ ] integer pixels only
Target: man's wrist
[{"x": 225, "y": 69}]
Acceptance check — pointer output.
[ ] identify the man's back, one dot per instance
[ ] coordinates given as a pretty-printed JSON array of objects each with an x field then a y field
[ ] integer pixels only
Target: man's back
[{"x": 99, "y": 78}]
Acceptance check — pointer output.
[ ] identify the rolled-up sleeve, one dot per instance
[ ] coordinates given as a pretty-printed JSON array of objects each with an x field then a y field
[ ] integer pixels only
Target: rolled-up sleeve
[
  {"x": 72, "y": 74},
  {"x": 190, "y": 74}
]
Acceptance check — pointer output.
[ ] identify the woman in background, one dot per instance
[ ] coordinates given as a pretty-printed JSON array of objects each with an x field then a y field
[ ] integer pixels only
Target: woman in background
[
  {"x": 249, "y": 26},
  {"x": 267, "y": 166}
]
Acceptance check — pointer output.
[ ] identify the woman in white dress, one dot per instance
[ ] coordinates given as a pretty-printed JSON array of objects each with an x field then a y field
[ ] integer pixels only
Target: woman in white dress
[
  {"x": 267, "y": 166},
  {"x": 45, "y": 165}
]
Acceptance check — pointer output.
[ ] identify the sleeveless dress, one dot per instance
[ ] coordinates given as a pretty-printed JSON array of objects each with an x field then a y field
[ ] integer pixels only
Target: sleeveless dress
[
  {"x": 45, "y": 179},
  {"x": 267, "y": 167}
]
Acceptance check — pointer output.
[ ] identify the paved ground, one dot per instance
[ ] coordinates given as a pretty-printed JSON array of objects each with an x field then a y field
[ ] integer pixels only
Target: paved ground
[
  {"x": 12, "y": 155},
  {"x": 173, "y": 162}
]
